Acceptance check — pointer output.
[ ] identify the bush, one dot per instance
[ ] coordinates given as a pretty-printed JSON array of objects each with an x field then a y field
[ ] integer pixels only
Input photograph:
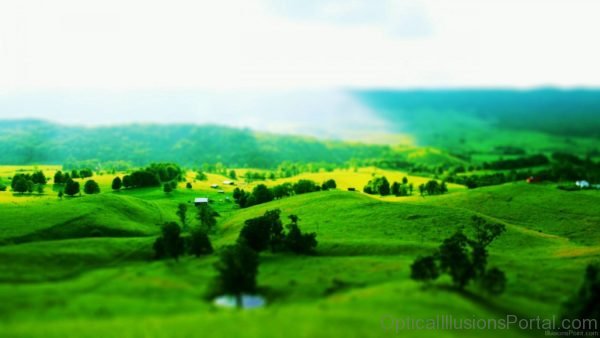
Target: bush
[
  {"x": 71, "y": 187},
  {"x": 329, "y": 184},
  {"x": 116, "y": 183},
  {"x": 91, "y": 187},
  {"x": 304, "y": 186},
  {"x": 424, "y": 269}
]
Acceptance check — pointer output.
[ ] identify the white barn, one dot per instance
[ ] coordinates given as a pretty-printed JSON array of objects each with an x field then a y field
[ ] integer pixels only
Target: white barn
[{"x": 200, "y": 200}]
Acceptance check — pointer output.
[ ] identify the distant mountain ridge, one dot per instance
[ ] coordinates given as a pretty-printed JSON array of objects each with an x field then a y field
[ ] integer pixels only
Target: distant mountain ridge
[{"x": 40, "y": 142}]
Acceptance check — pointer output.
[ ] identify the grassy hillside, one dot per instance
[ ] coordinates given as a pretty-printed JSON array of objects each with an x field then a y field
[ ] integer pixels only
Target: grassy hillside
[{"x": 54, "y": 285}]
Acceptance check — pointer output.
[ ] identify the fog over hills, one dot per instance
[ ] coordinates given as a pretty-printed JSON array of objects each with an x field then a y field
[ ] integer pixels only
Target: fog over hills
[{"x": 325, "y": 114}]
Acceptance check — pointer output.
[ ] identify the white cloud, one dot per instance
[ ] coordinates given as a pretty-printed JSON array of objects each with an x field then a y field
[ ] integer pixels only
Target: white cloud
[{"x": 253, "y": 44}]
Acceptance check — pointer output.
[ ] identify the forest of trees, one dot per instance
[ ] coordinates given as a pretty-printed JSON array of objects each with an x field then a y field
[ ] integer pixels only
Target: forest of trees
[{"x": 26, "y": 142}]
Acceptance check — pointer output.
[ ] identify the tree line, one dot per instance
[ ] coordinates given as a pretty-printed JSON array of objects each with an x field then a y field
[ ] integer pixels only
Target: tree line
[{"x": 263, "y": 194}]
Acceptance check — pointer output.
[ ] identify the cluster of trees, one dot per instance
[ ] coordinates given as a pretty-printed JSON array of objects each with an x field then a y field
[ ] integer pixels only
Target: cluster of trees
[
  {"x": 517, "y": 163},
  {"x": 464, "y": 259},
  {"x": 72, "y": 188},
  {"x": 29, "y": 183},
  {"x": 381, "y": 186},
  {"x": 172, "y": 244},
  {"x": 476, "y": 181},
  {"x": 167, "y": 174},
  {"x": 237, "y": 266},
  {"x": 563, "y": 171},
  {"x": 267, "y": 232},
  {"x": 263, "y": 194},
  {"x": 378, "y": 185},
  {"x": 433, "y": 187},
  {"x": 251, "y": 176},
  {"x": 61, "y": 178}
]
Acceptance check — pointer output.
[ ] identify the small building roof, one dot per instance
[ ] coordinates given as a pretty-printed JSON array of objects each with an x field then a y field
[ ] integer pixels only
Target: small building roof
[{"x": 201, "y": 200}]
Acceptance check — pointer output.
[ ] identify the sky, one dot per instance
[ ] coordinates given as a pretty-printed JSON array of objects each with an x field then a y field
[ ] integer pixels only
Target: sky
[{"x": 61, "y": 48}]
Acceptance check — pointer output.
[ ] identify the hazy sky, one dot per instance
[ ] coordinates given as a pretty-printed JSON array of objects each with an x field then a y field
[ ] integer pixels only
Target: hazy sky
[
  {"x": 277, "y": 65},
  {"x": 222, "y": 44}
]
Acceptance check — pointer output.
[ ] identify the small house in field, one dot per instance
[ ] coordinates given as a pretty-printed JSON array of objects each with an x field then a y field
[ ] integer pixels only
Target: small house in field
[
  {"x": 533, "y": 179},
  {"x": 582, "y": 184},
  {"x": 200, "y": 200},
  {"x": 228, "y": 183},
  {"x": 214, "y": 186}
]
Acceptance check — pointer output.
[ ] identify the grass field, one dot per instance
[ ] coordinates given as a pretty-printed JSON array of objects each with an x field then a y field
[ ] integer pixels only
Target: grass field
[{"x": 82, "y": 266}]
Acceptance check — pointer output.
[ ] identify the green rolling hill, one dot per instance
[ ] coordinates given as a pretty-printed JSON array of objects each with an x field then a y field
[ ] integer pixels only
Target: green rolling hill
[{"x": 79, "y": 284}]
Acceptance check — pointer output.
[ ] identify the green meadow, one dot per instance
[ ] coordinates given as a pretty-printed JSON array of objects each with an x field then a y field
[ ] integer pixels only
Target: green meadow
[{"x": 83, "y": 266}]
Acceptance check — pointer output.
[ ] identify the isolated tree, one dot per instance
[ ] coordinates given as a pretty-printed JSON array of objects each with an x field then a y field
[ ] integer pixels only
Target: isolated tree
[
  {"x": 298, "y": 242},
  {"x": 422, "y": 189},
  {"x": 207, "y": 217},
  {"x": 261, "y": 232},
  {"x": 91, "y": 187},
  {"x": 410, "y": 188},
  {"x": 200, "y": 176},
  {"x": 384, "y": 187},
  {"x": 38, "y": 177},
  {"x": 237, "y": 269},
  {"x": 432, "y": 187},
  {"x": 188, "y": 185},
  {"x": 485, "y": 234},
  {"x": 85, "y": 173},
  {"x": 443, "y": 188},
  {"x": 19, "y": 184},
  {"x": 74, "y": 174},
  {"x": 168, "y": 188},
  {"x": 304, "y": 186},
  {"x": 454, "y": 259},
  {"x": 465, "y": 259},
  {"x": 405, "y": 180},
  {"x": 60, "y": 194},
  {"x": 182, "y": 214},
  {"x": 71, "y": 187},
  {"x": 117, "y": 183},
  {"x": 395, "y": 189},
  {"x": 262, "y": 194},
  {"x": 241, "y": 197},
  {"x": 424, "y": 269},
  {"x": 329, "y": 184},
  {"x": 170, "y": 244},
  {"x": 127, "y": 182},
  {"x": 58, "y": 177},
  {"x": 232, "y": 175},
  {"x": 200, "y": 243},
  {"x": 282, "y": 190}
]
